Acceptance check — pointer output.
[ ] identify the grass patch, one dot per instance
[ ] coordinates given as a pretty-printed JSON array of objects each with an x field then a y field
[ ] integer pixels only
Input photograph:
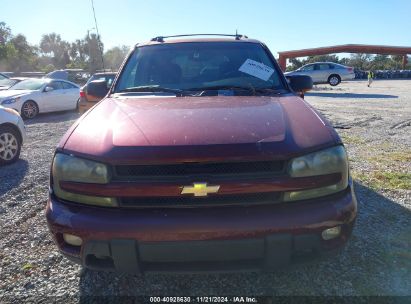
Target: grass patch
[
  {"x": 390, "y": 157},
  {"x": 385, "y": 180},
  {"x": 352, "y": 139},
  {"x": 401, "y": 156}
]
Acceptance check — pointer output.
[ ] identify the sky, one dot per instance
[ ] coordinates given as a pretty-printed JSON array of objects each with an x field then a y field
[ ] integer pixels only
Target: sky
[{"x": 282, "y": 25}]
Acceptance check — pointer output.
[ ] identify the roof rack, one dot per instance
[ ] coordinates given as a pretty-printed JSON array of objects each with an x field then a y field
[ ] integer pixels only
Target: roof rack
[{"x": 161, "y": 38}]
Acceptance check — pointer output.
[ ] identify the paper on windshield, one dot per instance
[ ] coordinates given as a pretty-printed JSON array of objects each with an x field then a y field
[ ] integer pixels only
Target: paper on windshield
[{"x": 256, "y": 69}]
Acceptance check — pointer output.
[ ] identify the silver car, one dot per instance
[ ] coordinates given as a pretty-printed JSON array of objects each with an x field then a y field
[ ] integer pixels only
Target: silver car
[{"x": 325, "y": 72}]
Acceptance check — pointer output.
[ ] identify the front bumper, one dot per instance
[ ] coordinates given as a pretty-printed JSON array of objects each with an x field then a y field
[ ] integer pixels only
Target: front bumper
[
  {"x": 201, "y": 239},
  {"x": 22, "y": 128}
]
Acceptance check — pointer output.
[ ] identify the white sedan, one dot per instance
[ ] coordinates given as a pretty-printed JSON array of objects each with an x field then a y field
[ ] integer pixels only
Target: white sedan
[
  {"x": 32, "y": 96},
  {"x": 12, "y": 135}
]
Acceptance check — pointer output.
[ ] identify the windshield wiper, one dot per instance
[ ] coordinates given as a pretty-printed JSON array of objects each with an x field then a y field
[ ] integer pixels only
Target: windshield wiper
[
  {"x": 269, "y": 90},
  {"x": 223, "y": 87},
  {"x": 154, "y": 88},
  {"x": 251, "y": 89}
]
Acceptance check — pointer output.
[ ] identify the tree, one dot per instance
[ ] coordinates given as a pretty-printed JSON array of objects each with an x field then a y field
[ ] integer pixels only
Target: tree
[
  {"x": 52, "y": 45},
  {"x": 94, "y": 49},
  {"x": 114, "y": 57},
  {"x": 5, "y": 35},
  {"x": 396, "y": 62},
  {"x": 16, "y": 54},
  {"x": 295, "y": 63},
  {"x": 78, "y": 54},
  {"x": 322, "y": 58},
  {"x": 361, "y": 61},
  {"x": 24, "y": 56}
]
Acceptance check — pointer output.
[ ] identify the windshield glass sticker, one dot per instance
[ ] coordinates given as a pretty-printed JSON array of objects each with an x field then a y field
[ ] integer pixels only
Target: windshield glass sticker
[{"x": 256, "y": 69}]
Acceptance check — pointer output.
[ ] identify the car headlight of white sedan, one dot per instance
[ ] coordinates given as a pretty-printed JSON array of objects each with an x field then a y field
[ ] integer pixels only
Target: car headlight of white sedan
[{"x": 10, "y": 100}]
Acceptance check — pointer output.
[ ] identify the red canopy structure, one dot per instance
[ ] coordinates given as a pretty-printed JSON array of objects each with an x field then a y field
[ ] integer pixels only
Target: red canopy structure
[{"x": 346, "y": 48}]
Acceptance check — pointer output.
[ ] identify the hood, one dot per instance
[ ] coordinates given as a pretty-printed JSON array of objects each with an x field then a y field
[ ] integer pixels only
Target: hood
[
  {"x": 13, "y": 93},
  {"x": 119, "y": 129}
]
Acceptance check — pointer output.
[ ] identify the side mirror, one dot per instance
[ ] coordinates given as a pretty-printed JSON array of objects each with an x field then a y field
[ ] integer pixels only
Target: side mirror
[
  {"x": 48, "y": 89},
  {"x": 97, "y": 89},
  {"x": 300, "y": 83}
]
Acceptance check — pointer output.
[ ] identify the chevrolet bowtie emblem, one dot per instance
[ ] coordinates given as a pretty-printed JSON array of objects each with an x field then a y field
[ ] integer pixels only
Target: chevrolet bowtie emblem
[{"x": 200, "y": 189}]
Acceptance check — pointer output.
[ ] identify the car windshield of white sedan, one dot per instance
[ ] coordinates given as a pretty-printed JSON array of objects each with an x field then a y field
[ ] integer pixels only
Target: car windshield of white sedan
[
  {"x": 199, "y": 66},
  {"x": 30, "y": 84},
  {"x": 6, "y": 82}
]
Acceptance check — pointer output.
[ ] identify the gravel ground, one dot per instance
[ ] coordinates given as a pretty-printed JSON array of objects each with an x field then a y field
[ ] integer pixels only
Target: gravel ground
[{"x": 375, "y": 124}]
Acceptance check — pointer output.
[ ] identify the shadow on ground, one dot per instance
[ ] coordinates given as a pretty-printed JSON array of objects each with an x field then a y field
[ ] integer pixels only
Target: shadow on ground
[
  {"x": 53, "y": 117},
  {"x": 12, "y": 175},
  {"x": 376, "y": 261},
  {"x": 349, "y": 95}
]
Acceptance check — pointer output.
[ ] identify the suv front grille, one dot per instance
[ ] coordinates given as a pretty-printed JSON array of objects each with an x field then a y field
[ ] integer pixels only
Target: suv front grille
[
  {"x": 211, "y": 200},
  {"x": 185, "y": 169}
]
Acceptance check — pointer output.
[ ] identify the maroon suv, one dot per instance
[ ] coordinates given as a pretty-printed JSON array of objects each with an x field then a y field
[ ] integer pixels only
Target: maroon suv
[{"x": 202, "y": 156}]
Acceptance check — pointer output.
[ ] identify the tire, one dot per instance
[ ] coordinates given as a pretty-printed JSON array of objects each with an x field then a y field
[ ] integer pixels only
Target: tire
[
  {"x": 77, "y": 109},
  {"x": 10, "y": 145},
  {"x": 334, "y": 80},
  {"x": 29, "y": 109}
]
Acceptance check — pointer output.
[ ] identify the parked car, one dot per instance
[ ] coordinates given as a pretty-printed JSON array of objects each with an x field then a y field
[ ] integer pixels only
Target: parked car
[
  {"x": 201, "y": 156},
  {"x": 12, "y": 135},
  {"x": 7, "y": 83},
  {"x": 5, "y": 75},
  {"x": 4, "y": 81},
  {"x": 325, "y": 72},
  {"x": 32, "y": 74},
  {"x": 73, "y": 75},
  {"x": 32, "y": 96},
  {"x": 86, "y": 101}
]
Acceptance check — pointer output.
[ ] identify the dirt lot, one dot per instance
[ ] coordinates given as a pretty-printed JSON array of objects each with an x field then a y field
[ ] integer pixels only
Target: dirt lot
[{"x": 375, "y": 124}]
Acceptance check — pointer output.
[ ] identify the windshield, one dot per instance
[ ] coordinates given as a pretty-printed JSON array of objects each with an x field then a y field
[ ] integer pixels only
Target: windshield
[
  {"x": 30, "y": 84},
  {"x": 200, "y": 65},
  {"x": 106, "y": 77},
  {"x": 6, "y": 82}
]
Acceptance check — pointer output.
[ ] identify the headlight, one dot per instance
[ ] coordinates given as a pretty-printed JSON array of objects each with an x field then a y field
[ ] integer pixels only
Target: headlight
[
  {"x": 328, "y": 161},
  {"x": 10, "y": 100},
  {"x": 73, "y": 169}
]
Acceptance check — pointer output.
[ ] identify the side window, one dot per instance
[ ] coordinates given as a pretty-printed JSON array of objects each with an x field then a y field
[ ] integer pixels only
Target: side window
[
  {"x": 308, "y": 67},
  {"x": 67, "y": 86},
  {"x": 56, "y": 85},
  {"x": 323, "y": 66}
]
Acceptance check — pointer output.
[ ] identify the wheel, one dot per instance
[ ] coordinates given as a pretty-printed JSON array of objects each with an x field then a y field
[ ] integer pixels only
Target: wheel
[
  {"x": 10, "y": 145},
  {"x": 29, "y": 109},
  {"x": 334, "y": 80}
]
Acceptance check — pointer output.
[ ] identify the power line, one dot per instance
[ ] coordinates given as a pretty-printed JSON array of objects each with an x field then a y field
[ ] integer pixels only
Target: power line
[{"x": 98, "y": 34}]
